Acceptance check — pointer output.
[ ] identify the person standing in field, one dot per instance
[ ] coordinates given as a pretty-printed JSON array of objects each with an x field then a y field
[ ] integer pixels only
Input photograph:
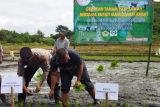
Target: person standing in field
[{"x": 61, "y": 42}]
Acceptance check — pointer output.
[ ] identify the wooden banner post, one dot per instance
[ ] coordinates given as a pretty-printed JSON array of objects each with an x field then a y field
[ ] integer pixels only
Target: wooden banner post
[
  {"x": 107, "y": 101},
  {"x": 12, "y": 97}
]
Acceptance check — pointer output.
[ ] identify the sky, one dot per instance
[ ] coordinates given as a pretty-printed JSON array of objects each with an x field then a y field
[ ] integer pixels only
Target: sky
[
  {"x": 157, "y": 0},
  {"x": 32, "y": 15}
]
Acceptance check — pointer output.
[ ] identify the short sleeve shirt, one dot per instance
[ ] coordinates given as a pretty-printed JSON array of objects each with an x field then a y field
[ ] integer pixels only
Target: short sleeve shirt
[
  {"x": 37, "y": 62},
  {"x": 71, "y": 66},
  {"x": 62, "y": 43}
]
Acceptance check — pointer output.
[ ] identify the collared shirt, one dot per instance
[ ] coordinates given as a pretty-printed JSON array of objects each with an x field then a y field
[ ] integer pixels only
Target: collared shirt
[
  {"x": 62, "y": 43},
  {"x": 40, "y": 59}
]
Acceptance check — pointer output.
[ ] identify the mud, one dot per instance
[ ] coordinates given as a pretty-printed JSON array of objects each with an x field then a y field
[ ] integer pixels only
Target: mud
[{"x": 135, "y": 89}]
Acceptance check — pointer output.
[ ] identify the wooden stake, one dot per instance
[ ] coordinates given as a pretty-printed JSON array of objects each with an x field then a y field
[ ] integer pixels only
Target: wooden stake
[
  {"x": 107, "y": 101},
  {"x": 12, "y": 97}
]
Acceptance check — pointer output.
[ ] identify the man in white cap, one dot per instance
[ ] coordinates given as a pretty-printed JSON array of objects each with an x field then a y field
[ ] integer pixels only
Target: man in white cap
[{"x": 61, "y": 42}]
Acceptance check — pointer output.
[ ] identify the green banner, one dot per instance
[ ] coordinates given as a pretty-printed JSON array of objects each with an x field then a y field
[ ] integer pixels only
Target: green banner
[{"x": 113, "y": 21}]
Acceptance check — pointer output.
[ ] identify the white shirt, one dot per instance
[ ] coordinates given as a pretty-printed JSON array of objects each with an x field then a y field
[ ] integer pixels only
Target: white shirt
[{"x": 61, "y": 43}]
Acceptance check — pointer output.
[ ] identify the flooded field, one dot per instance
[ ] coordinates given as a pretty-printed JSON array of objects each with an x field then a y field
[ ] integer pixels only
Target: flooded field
[{"x": 135, "y": 88}]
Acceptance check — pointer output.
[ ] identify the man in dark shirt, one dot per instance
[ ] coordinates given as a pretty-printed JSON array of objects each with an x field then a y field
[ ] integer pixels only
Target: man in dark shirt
[
  {"x": 2, "y": 96},
  {"x": 70, "y": 64}
]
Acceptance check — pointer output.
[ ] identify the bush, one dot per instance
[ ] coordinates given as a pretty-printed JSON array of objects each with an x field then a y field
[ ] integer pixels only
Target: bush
[{"x": 48, "y": 41}]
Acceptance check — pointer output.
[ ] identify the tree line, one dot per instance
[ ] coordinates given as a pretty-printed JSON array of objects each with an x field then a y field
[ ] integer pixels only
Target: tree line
[
  {"x": 7, "y": 36},
  {"x": 156, "y": 21}
]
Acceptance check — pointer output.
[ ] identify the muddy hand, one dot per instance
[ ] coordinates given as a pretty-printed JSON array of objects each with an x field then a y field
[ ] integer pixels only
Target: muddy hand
[
  {"x": 38, "y": 88},
  {"x": 77, "y": 84},
  {"x": 51, "y": 93},
  {"x": 28, "y": 92}
]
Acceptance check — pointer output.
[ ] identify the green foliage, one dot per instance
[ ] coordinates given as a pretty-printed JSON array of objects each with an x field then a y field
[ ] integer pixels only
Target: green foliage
[
  {"x": 145, "y": 105},
  {"x": 17, "y": 104},
  {"x": 54, "y": 36},
  {"x": 65, "y": 30},
  {"x": 36, "y": 38},
  {"x": 3, "y": 34},
  {"x": 79, "y": 87},
  {"x": 29, "y": 105},
  {"x": 114, "y": 64},
  {"x": 130, "y": 61},
  {"x": 25, "y": 37},
  {"x": 77, "y": 104},
  {"x": 44, "y": 105},
  {"x": 156, "y": 21},
  {"x": 40, "y": 34},
  {"x": 38, "y": 104},
  {"x": 100, "y": 68},
  {"x": 14, "y": 37},
  {"x": 38, "y": 76},
  {"x": 113, "y": 105},
  {"x": 61, "y": 28},
  {"x": 125, "y": 105},
  {"x": 48, "y": 41}
]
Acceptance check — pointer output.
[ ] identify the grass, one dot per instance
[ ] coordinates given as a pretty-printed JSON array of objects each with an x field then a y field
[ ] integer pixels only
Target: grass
[
  {"x": 109, "y": 52},
  {"x": 16, "y": 47},
  {"x": 120, "y": 58}
]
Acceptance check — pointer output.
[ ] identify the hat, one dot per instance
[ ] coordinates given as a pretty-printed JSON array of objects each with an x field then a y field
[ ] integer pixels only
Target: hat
[
  {"x": 25, "y": 53},
  {"x": 63, "y": 32}
]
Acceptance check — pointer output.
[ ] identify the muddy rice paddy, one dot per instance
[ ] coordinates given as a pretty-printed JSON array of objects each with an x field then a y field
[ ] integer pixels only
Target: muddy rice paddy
[{"x": 135, "y": 89}]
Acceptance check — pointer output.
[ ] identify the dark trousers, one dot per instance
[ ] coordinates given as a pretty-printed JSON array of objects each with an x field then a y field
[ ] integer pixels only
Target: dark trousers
[
  {"x": 28, "y": 74},
  {"x": 66, "y": 78}
]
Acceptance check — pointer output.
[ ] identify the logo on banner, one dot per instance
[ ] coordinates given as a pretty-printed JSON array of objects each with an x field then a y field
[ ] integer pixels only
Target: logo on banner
[
  {"x": 113, "y": 33},
  {"x": 83, "y": 2}
]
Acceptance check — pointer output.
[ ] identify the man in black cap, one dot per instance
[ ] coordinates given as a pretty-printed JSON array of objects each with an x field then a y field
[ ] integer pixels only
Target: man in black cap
[
  {"x": 30, "y": 61},
  {"x": 70, "y": 64}
]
